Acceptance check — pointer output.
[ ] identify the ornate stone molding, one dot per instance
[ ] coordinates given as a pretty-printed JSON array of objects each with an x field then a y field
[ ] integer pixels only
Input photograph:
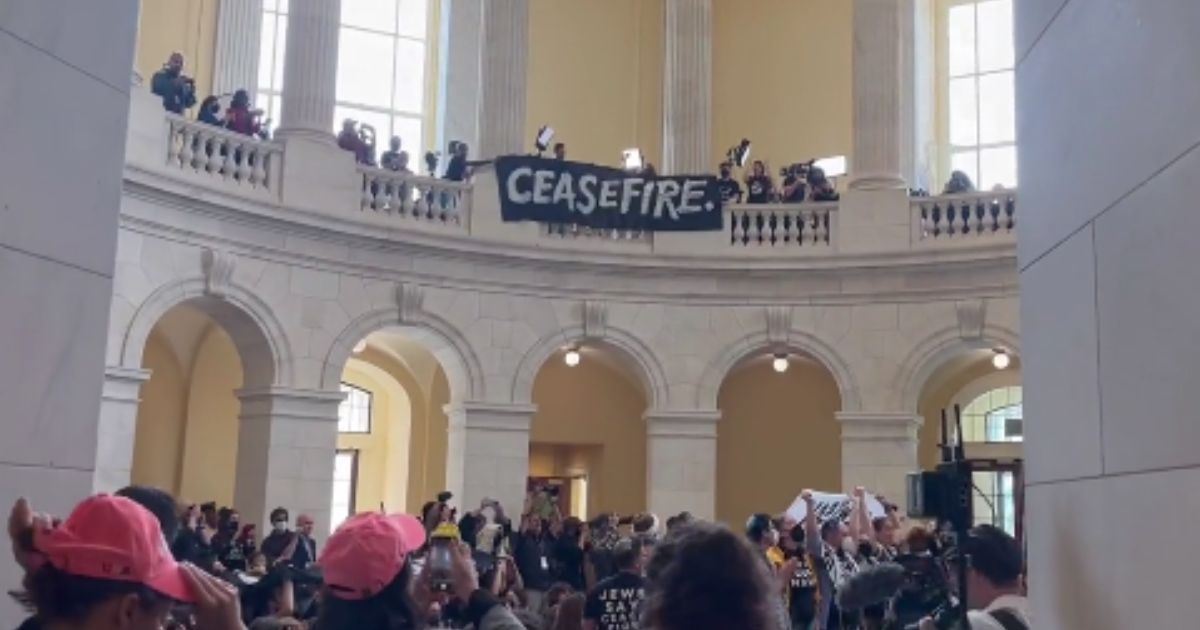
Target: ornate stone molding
[
  {"x": 779, "y": 324},
  {"x": 879, "y": 427},
  {"x": 410, "y": 301},
  {"x": 300, "y": 404},
  {"x": 490, "y": 416},
  {"x": 972, "y": 316},
  {"x": 218, "y": 271},
  {"x": 593, "y": 318},
  {"x": 693, "y": 424}
]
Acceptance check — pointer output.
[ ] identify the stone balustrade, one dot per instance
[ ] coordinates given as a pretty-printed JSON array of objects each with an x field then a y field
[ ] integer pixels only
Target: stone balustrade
[
  {"x": 222, "y": 156},
  {"x": 961, "y": 217},
  {"x": 801, "y": 226},
  {"x": 415, "y": 197},
  {"x": 323, "y": 181}
]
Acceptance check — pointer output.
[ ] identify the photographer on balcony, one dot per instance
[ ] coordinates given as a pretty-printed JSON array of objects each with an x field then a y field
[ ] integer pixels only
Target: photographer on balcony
[
  {"x": 759, "y": 185},
  {"x": 795, "y": 182},
  {"x": 178, "y": 91},
  {"x": 359, "y": 140},
  {"x": 239, "y": 118}
]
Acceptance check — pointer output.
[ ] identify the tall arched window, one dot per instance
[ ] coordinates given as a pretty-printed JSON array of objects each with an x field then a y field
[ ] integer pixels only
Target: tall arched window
[
  {"x": 382, "y": 51},
  {"x": 975, "y": 69},
  {"x": 996, "y": 416}
]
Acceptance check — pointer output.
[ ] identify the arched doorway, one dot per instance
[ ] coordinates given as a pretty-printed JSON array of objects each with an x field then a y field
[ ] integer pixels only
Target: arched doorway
[
  {"x": 990, "y": 400},
  {"x": 588, "y": 436},
  {"x": 777, "y": 435}
]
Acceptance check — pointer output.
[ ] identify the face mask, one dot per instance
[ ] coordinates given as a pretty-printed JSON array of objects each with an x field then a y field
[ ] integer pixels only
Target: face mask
[
  {"x": 848, "y": 545},
  {"x": 488, "y": 514},
  {"x": 279, "y": 526}
]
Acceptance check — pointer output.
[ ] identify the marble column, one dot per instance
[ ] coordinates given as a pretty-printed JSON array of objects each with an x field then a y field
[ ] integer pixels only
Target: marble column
[
  {"x": 878, "y": 451},
  {"x": 681, "y": 462},
  {"x": 239, "y": 29},
  {"x": 458, "y": 91},
  {"x": 879, "y": 136},
  {"x": 487, "y": 454},
  {"x": 504, "y": 69},
  {"x": 58, "y": 238},
  {"x": 117, "y": 427},
  {"x": 286, "y": 443},
  {"x": 687, "y": 88},
  {"x": 310, "y": 69}
]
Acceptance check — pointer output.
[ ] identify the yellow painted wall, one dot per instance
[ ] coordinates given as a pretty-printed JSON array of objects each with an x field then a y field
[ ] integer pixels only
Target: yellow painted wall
[
  {"x": 777, "y": 436},
  {"x": 209, "y": 464},
  {"x": 186, "y": 26},
  {"x": 782, "y": 78},
  {"x": 593, "y": 405},
  {"x": 383, "y": 454},
  {"x": 595, "y": 76},
  {"x": 161, "y": 417},
  {"x": 564, "y": 460}
]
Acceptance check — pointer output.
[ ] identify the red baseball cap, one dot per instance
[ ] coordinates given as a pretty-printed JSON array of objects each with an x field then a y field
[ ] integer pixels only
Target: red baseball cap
[
  {"x": 113, "y": 538},
  {"x": 367, "y": 552}
]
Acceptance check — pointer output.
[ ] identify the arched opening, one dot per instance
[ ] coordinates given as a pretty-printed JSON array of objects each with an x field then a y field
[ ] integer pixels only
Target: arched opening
[
  {"x": 588, "y": 436},
  {"x": 990, "y": 400},
  {"x": 200, "y": 353},
  {"x": 777, "y": 435},
  {"x": 392, "y": 426}
]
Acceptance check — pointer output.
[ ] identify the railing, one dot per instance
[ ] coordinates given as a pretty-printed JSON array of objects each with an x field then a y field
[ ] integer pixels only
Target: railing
[
  {"x": 962, "y": 217},
  {"x": 568, "y": 231},
  {"x": 422, "y": 199},
  {"x": 780, "y": 226},
  {"x": 242, "y": 161}
]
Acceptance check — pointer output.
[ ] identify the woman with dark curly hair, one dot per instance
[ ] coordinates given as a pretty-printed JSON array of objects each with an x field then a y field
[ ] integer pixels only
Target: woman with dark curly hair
[{"x": 705, "y": 577}]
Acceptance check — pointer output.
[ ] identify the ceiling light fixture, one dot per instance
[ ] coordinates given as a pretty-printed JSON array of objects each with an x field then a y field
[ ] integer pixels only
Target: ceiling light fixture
[
  {"x": 1000, "y": 359},
  {"x": 572, "y": 358},
  {"x": 780, "y": 364}
]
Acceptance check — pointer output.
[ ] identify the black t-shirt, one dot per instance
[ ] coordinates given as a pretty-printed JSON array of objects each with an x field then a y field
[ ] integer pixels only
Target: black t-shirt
[
  {"x": 456, "y": 170},
  {"x": 758, "y": 189},
  {"x": 730, "y": 190},
  {"x": 802, "y": 592},
  {"x": 616, "y": 603},
  {"x": 797, "y": 193}
]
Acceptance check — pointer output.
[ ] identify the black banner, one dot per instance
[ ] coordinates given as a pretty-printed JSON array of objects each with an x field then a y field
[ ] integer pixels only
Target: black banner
[{"x": 557, "y": 191}]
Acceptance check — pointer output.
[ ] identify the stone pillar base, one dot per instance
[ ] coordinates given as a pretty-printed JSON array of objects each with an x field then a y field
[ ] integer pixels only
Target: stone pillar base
[
  {"x": 879, "y": 450},
  {"x": 117, "y": 428},
  {"x": 488, "y": 453}
]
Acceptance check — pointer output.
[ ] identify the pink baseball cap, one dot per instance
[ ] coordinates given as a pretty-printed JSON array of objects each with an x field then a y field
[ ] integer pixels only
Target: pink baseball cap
[
  {"x": 367, "y": 552},
  {"x": 113, "y": 538}
]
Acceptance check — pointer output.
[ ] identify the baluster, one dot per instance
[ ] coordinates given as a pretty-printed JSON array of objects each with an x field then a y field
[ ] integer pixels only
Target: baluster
[
  {"x": 936, "y": 214},
  {"x": 258, "y": 174},
  {"x": 754, "y": 228},
  {"x": 199, "y": 157},
  {"x": 228, "y": 160},
  {"x": 185, "y": 150},
  {"x": 421, "y": 205},
  {"x": 994, "y": 216},
  {"x": 821, "y": 236},
  {"x": 773, "y": 231},
  {"x": 1010, "y": 210},
  {"x": 407, "y": 199},
  {"x": 793, "y": 228},
  {"x": 173, "y": 145},
  {"x": 980, "y": 212},
  {"x": 211, "y": 147},
  {"x": 245, "y": 157},
  {"x": 739, "y": 231},
  {"x": 366, "y": 199},
  {"x": 826, "y": 221}
]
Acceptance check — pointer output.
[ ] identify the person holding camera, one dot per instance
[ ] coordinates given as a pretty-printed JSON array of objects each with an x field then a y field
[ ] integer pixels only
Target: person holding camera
[
  {"x": 822, "y": 188},
  {"x": 178, "y": 91},
  {"x": 995, "y": 570},
  {"x": 759, "y": 185},
  {"x": 795, "y": 184},
  {"x": 239, "y": 118}
]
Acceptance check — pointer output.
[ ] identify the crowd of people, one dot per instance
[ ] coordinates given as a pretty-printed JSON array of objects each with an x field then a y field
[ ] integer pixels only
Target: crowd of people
[
  {"x": 178, "y": 94},
  {"x": 136, "y": 561},
  {"x": 801, "y": 182}
]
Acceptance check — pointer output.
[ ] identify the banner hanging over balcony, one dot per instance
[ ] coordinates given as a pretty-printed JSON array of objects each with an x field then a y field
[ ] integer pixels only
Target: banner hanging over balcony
[{"x": 556, "y": 191}]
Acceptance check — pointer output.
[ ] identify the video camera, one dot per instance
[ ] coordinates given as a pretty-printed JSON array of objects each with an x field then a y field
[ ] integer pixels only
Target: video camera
[{"x": 799, "y": 170}]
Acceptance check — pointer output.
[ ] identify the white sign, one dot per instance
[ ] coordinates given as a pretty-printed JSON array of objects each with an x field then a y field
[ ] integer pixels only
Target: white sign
[{"x": 830, "y": 506}]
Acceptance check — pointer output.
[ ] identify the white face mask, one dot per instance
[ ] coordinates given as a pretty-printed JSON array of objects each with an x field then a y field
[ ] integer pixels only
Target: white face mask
[
  {"x": 848, "y": 545},
  {"x": 488, "y": 514},
  {"x": 279, "y": 527}
]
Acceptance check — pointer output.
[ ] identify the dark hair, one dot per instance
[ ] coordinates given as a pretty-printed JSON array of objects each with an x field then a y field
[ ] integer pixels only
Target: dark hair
[
  {"x": 643, "y": 523},
  {"x": 241, "y": 98},
  {"x": 211, "y": 506},
  {"x": 556, "y": 593},
  {"x": 757, "y": 527},
  {"x": 878, "y": 522},
  {"x": 572, "y": 528},
  {"x": 569, "y": 615},
  {"x": 59, "y": 596},
  {"x": 208, "y": 103},
  {"x": 830, "y": 526},
  {"x": 702, "y": 575},
  {"x": 159, "y": 503},
  {"x": 994, "y": 554},
  {"x": 392, "y": 608},
  {"x": 627, "y": 552},
  {"x": 279, "y": 514}
]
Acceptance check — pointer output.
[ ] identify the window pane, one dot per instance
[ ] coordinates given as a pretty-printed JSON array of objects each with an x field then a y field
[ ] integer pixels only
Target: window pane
[
  {"x": 410, "y": 76},
  {"x": 280, "y": 48},
  {"x": 995, "y": 35},
  {"x": 997, "y": 108},
  {"x": 409, "y": 130},
  {"x": 999, "y": 167},
  {"x": 963, "y": 130},
  {"x": 961, "y": 51},
  {"x": 378, "y": 15},
  {"x": 967, "y": 162},
  {"x": 270, "y": 5},
  {"x": 283, "y": 6},
  {"x": 361, "y": 55},
  {"x": 266, "y": 52},
  {"x": 413, "y": 16}
]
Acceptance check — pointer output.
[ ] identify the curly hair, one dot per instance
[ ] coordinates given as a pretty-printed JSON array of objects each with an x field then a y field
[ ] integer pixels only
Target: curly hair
[{"x": 703, "y": 575}]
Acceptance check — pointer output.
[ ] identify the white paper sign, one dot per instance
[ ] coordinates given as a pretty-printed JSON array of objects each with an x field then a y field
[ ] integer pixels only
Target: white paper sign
[{"x": 830, "y": 506}]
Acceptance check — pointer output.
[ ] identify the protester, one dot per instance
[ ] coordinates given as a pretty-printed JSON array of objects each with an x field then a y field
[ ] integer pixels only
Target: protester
[
  {"x": 239, "y": 118},
  {"x": 456, "y": 170},
  {"x": 178, "y": 91},
  {"x": 822, "y": 188},
  {"x": 616, "y": 602},
  {"x": 569, "y": 615},
  {"x": 731, "y": 190},
  {"x": 704, "y": 576},
  {"x": 568, "y": 553},
  {"x": 390, "y": 160},
  {"x": 358, "y": 140},
  {"x": 306, "y": 547},
  {"x": 795, "y": 186},
  {"x": 759, "y": 186},
  {"x": 280, "y": 545},
  {"x": 532, "y": 555},
  {"x": 210, "y": 112},
  {"x": 959, "y": 183},
  {"x": 560, "y": 151}
]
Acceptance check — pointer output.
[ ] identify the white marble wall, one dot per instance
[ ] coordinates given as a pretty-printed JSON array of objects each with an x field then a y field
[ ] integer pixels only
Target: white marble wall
[
  {"x": 55, "y": 284},
  {"x": 1110, "y": 174}
]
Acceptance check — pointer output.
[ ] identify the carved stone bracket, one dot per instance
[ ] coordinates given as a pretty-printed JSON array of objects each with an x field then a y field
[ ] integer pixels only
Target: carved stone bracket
[
  {"x": 779, "y": 324},
  {"x": 594, "y": 318},
  {"x": 410, "y": 299},
  {"x": 971, "y": 317},
  {"x": 218, "y": 271}
]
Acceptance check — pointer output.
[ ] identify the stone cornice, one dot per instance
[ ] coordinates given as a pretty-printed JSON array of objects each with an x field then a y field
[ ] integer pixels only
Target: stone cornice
[{"x": 360, "y": 244}]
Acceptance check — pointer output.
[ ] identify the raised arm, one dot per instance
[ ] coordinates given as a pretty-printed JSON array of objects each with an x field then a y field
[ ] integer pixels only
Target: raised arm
[
  {"x": 812, "y": 529},
  {"x": 864, "y": 514}
]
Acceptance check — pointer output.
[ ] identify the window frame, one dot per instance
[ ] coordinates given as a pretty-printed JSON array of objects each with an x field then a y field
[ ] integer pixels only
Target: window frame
[
  {"x": 350, "y": 389},
  {"x": 268, "y": 97},
  {"x": 946, "y": 150}
]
